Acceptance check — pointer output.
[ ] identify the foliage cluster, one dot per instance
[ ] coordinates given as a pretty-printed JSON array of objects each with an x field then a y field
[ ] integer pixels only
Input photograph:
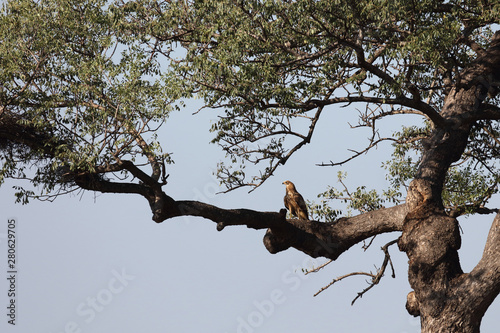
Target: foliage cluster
[{"x": 93, "y": 80}]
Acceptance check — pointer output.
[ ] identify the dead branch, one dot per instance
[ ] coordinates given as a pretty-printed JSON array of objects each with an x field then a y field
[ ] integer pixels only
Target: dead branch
[
  {"x": 314, "y": 270},
  {"x": 375, "y": 278}
]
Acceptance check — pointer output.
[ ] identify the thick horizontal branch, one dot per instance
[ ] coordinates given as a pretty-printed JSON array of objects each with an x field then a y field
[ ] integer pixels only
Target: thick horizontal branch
[
  {"x": 226, "y": 217},
  {"x": 330, "y": 240},
  {"x": 314, "y": 238}
]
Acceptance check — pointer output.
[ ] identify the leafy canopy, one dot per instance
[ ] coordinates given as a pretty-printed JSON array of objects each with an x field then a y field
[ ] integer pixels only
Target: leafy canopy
[
  {"x": 273, "y": 66},
  {"x": 101, "y": 75},
  {"x": 95, "y": 91}
]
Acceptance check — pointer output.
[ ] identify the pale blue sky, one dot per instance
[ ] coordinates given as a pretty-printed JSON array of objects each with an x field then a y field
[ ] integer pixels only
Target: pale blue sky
[{"x": 98, "y": 263}]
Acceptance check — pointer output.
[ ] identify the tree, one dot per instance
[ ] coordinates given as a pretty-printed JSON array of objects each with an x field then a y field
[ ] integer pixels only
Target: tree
[{"x": 86, "y": 84}]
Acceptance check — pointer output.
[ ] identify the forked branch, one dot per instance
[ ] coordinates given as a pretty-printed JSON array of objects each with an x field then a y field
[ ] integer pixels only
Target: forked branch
[{"x": 375, "y": 278}]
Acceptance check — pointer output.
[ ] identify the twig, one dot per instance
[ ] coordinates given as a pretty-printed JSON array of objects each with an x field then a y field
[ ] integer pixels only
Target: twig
[
  {"x": 373, "y": 143},
  {"x": 341, "y": 278},
  {"x": 375, "y": 278},
  {"x": 366, "y": 246},
  {"x": 314, "y": 270},
  {"x": 491, "y": 135}
]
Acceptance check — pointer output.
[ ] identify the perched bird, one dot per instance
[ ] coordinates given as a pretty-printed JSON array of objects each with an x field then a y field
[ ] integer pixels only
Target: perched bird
[{"x": 294, "y": 202}]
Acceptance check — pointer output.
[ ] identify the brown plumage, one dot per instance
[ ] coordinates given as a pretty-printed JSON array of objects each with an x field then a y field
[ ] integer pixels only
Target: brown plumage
[{"x": 294, "y": 202}]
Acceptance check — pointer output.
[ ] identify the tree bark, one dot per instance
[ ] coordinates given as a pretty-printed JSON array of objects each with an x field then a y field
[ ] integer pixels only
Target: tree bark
[
  {"x": 465, "y": 299},
  {"x": 316, "y": 239},
  {"x": 446, "y": 299}
]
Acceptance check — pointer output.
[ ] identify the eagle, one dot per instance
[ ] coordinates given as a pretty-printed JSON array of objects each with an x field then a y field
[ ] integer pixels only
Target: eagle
[{"x": 294, "y": 202}]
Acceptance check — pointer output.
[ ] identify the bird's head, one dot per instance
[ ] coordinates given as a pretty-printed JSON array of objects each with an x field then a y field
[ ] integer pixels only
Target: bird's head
[{"x": 289, "y": 184}]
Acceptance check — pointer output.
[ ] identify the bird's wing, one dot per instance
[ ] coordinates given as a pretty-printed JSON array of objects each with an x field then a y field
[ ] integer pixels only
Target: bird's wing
[
  {"x": 301, "y": 205},
  {"x": 286, "y": 200}
]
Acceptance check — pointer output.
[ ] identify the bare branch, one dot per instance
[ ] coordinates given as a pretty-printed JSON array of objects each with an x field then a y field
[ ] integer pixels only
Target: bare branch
[
  {"x": 317, "y": 269},
  {"x": 357, "y": 153},
  {"x": 340, "y": 278},
  {"x": 375, "y": 278}
]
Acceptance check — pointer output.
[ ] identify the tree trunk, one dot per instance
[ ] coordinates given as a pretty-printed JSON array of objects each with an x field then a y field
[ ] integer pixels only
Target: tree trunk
[
  {"x": 461, "y": 304},
  {"x": 446, "y": 299}
]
